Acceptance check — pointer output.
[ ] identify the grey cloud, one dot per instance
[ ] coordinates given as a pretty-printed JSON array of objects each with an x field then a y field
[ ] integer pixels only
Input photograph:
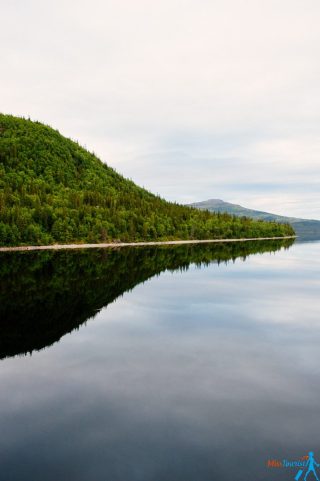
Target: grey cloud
[{"x": 191, "y": 99}]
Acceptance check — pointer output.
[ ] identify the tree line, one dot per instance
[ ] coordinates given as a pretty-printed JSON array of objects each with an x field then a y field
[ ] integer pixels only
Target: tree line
[{"x": 53, "y": 190}]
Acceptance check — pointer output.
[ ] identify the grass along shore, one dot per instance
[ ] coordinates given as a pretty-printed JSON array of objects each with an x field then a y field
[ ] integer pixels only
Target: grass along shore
[{"x": 133, "y": 244}]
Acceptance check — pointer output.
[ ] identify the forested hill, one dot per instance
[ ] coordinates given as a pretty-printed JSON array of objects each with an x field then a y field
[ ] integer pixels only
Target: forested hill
[{"x": 53, "y": 190}]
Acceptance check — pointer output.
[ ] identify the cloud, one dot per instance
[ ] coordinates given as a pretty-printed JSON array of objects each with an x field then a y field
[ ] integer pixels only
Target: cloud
[{"x": 193, "y": 99}]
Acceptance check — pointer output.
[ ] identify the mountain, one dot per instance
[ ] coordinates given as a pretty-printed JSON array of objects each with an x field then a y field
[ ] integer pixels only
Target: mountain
[
  {"x": 52, "y": 190},
  {"x": 304, "y": 228}
]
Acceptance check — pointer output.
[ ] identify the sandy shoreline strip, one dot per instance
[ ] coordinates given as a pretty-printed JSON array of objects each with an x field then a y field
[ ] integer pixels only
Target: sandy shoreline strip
[{"x": 133, "y": 244}]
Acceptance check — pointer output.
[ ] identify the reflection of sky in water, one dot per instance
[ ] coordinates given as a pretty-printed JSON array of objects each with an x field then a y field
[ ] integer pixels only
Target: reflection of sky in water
[{"x": 200, "y": 375}]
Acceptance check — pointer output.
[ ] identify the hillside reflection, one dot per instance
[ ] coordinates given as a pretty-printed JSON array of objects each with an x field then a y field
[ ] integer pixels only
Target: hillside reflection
[{"x": 45, "y": 295}]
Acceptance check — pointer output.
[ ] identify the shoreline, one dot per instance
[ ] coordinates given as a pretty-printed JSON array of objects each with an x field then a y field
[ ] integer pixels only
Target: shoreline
[{"x": 134, "y": 244}]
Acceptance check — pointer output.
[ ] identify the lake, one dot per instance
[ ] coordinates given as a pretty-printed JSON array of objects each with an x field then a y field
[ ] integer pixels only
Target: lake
[{"x": 185, "y": 363}]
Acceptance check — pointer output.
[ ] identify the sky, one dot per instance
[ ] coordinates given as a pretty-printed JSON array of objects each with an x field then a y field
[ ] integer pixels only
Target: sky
[{"x": 192, "y": 99}]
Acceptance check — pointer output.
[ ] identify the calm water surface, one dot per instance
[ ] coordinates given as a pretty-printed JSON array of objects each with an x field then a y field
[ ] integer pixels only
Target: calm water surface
[{"x": 200, "y": 373}]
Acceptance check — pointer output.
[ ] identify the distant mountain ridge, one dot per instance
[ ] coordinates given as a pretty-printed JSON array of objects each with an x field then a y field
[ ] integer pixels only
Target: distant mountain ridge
[{"x": 304, "y": 228}]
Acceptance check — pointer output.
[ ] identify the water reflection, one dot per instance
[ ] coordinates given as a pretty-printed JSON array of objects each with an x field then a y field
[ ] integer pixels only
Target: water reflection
[
  {"x": 45, "y": 295},
  {"x": 198, "y": 374}
]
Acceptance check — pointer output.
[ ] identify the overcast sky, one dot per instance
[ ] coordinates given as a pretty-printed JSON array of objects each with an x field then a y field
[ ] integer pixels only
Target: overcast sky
[{"x": 193, "y": 99}]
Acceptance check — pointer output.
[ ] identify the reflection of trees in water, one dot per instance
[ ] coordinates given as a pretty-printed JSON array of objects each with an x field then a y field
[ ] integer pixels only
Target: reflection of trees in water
[{"x": 44, "y": 295}]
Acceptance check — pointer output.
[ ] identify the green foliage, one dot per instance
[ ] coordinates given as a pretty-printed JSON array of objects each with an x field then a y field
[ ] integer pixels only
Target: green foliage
[{"x": 52, "y": 190}]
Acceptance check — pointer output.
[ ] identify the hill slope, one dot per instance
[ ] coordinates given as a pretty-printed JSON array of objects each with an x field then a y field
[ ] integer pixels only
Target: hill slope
[
  {"x": 53, "y": 190},
  {"x": 304, "y": 228}
]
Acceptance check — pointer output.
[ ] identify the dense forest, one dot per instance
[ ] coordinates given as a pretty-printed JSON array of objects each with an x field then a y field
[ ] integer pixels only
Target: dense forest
[
  {"x": 62, "y": 290},
  {"x": 52, "y": 190}
]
